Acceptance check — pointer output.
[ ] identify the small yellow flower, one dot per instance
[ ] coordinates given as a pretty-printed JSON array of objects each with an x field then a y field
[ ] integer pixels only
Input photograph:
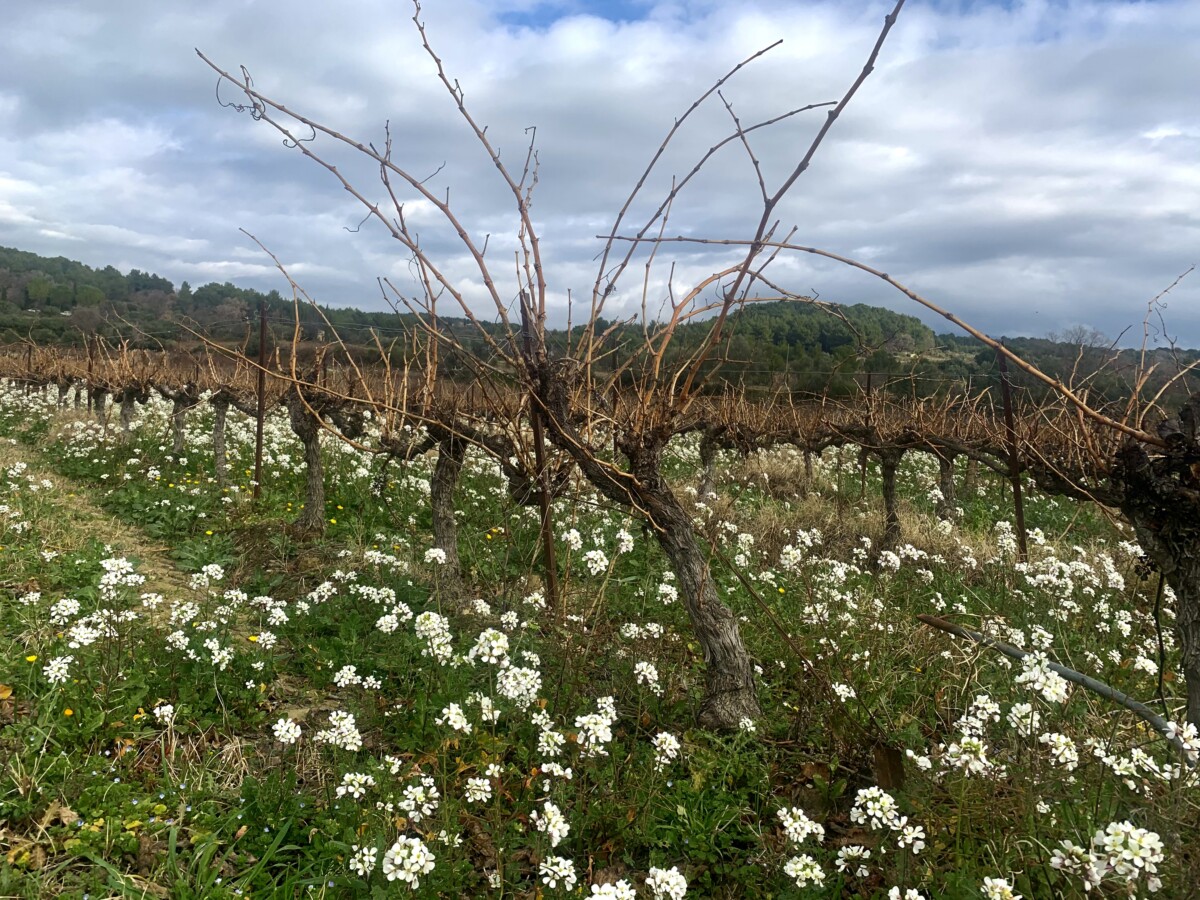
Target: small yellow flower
[
  {"x": 781, "y": 590},
  {"x": 333, "y": 521},
  {"x": 489, "y": 535},
  {"x": 68, "y": 711},
  {"x": 32, "y": 657},
  {"x": 209, "y": 532},
  {"x": 339, "y": 506},
  {"x": 253, "y": 638}
]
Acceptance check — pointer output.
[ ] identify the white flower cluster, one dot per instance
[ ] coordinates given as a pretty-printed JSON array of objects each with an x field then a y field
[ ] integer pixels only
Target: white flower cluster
[
  {"x": 363, "y": 860},
  {"x": 616, "y": 890},
  {"x": 407, "y": 860},
  {"x": 519, "y": 685},
  {"x": 63, "y": 610},
  {"x": 844, "y": 691},
  {"x": 342, "y": 732},
  {"x": 118, "y": 573},
  {"x": 647, "y": 674},
  {"x": 551, "y": 822},
  {"x": 596, "y": 562},
  {"x": 479, "y": 790},
  {"x": 434, "y": 630},
  {"x": 1024, "y": 719},
  {"x": 58, "y": 670},
  {"x": 1062, "y": 749},
  {"x": 804, "y": 870},
  {"x": 1037, "y": 674},
  {"x": 798, "y": 826},
  {"x": 454, "y": 716},
  {"x": 1121, "y": 851},
  {"x": 624, "y": 542},
  {"x": 555, "y": 869},
  {"x": 490, "y": 647},
  {"x": 286, "y": 731},
  {"x": 875, "y": 807},
  {"x": 666, "y": 884},
  {"x": 595, "y": 729},
  {"x": 355, "y": 784},
  {"x": 666, "y": 750},
  {"x": 420, "y": 799},
  {"x": 391, "y": 621},
  {"x": 999, "y": 888},
  {"x": 851, "y": 858}
]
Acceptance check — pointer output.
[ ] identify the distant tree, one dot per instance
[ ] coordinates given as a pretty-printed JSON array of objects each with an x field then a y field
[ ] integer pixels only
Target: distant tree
[
  {"x": 61, "y": 297},
  {"x": 85, "y": 318},
  {"x": 37, "y": 290},
  {"x": 88, "y": 295}
]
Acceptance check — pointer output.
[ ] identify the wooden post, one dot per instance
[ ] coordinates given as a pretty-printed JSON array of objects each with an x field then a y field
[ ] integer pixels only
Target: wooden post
[
  {"x": 862, "y": 453},
  {"x": 91, "y": 361},
  {"x": 1014, "y": 465}
]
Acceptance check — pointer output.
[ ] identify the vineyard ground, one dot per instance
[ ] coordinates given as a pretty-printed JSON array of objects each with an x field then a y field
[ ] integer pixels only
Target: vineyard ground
[{"x": 304, "y": 717}]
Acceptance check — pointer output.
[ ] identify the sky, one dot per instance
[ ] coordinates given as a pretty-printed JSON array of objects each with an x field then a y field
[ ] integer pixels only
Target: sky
[{"x": 1030, "y": 166}]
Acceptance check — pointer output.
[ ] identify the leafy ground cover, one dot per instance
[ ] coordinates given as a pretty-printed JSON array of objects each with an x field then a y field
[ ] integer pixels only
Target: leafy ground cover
[{"x": 198, "y": 700}]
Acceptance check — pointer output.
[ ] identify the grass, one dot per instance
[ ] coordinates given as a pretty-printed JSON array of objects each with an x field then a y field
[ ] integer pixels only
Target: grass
[{"x": 104, "y": 792}]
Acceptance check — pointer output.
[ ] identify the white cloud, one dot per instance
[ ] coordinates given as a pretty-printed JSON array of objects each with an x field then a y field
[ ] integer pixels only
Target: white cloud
[{"x": 1026, "y": 165}]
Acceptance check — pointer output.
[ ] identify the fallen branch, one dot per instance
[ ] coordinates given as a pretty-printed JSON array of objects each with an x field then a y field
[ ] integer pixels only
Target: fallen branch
[{"x": 1161, "y": 725}]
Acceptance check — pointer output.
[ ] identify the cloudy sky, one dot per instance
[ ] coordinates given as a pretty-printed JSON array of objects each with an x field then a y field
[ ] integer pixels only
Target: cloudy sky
[{"x": 1031, "y": 166}]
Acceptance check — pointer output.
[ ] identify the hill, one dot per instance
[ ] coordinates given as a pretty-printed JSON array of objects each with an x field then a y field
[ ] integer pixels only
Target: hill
[{"x": 791, "y": 346}]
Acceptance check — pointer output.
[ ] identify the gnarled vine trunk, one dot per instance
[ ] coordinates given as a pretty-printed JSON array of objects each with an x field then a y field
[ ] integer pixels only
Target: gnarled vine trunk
[
  {"x": 1161, "y": 498},
  {"x": 451, "y": 453},
  {"x": 889, "y": 462},
  {"x": 971, "y": 477},
  {"x": 100, "y": 404},
  {"x": 128, "y": 406},
  {"x": 729, "y": 694},
  {"x": 729, "y": 691},
  {"x": 220, "y": 404},
  {"x": 183, "y": 400},
  {"x": 307, "y": 427},
  {"x": 948, "y": 503},
  {"x": 708, "y": 463}
]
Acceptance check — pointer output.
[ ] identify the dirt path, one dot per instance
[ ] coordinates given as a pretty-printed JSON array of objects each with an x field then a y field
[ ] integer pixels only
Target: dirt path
[{"x": 79, "y": 520}]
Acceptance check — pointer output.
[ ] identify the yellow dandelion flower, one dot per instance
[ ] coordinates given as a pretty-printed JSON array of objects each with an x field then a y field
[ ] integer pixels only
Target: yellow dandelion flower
[{"x": 68, "y": 711}]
